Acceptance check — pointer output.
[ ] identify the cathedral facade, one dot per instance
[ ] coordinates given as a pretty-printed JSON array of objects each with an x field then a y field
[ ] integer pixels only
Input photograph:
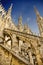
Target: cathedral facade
[{"x": 18, "y": 44}]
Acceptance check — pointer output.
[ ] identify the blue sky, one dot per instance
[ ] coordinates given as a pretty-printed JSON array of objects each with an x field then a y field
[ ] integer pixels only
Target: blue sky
[{"x": 25, "y": 8}]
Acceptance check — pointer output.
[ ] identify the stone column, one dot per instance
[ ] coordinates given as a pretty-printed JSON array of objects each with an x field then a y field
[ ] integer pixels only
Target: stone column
[
  {"x": 31, "y": 58},
  {"x": 38, "y": 57},
  {"x": 14, "y": 40},
  {"x": 20, "y": 44}
]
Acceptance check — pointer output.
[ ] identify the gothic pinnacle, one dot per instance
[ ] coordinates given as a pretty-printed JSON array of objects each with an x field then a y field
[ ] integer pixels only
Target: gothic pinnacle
[
  {"x": 9, "y": 11},
  {"x": 36, "y": 11}
]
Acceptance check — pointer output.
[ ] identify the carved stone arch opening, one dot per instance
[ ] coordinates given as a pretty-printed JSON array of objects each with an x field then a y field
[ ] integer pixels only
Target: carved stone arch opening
[
  {"x": 17, "y": 39},
  {"x": 1, "y": 40},
  {"x": 7, "y": 39},
  {"x": 34, "y": 59}
]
